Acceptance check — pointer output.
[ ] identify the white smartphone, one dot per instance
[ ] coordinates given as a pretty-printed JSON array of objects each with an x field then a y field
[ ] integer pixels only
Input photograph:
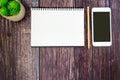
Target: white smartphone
[{"x": 101, "y": 26}]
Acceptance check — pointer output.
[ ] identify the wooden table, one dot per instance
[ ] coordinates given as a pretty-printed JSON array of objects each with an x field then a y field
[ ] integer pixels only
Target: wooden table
[{"x": 18, "y": 61}]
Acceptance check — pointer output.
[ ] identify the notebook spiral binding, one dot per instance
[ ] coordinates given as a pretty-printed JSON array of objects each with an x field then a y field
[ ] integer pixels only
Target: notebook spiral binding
[{"x": 57, "y": 8}]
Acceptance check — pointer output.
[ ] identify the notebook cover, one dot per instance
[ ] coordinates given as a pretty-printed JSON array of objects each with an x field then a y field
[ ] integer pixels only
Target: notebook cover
[{"x": 57, "y": 27}]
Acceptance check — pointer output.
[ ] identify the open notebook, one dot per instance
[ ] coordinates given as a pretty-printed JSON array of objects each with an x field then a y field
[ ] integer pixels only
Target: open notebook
[{"x": 57, "y": 27}]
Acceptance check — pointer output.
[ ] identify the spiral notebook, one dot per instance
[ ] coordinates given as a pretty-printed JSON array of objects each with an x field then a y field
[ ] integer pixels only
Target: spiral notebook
[{"x": 57, "y": 27}]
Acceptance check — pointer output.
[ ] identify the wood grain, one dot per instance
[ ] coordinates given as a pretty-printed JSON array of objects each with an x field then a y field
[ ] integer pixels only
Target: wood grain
[
  {"x": 95, "y": 63},
  {"x": 115, "y": 49},
  {"x": 56, "y": 63},
  {"x": 20, "y": 61},
  {"x": 56, "y": 3}
]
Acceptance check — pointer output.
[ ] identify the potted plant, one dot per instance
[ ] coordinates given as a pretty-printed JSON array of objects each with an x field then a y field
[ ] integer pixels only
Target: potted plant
[{"x": 12, "y": 10}]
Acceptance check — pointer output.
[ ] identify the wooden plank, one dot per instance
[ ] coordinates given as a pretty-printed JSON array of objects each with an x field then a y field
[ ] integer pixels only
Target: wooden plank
[
  {"x": 110, "y": 58},
  {"x": 27, "y": 58},
  {"x": 56, "y": 3},
  {"x": 104, "y": 53},
  {"x": 18, "y": 61},
  {"x": 100, "y": 55},
  {"x": 95, "y": 61},
  {"x": 5, "y": 61},
  {"x": 80, "y": 53},
  {"x": 78, "y": 3},
  {"x": 115, "y": 49},
  {"x": 56, "y": 63},
  {"x": 80, "y": 64}
]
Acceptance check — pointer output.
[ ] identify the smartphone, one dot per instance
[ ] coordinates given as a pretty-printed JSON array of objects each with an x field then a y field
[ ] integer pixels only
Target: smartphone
[{"x": 101, "y": 26}]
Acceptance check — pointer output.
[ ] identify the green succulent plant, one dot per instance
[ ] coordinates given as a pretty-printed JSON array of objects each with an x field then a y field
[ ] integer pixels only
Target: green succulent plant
[
  {"x": 13, "y": 7},
  {"x": 9, "y": 7},
  {"x": 4, "y": 11},
  {"x": 3, "y": 2}
]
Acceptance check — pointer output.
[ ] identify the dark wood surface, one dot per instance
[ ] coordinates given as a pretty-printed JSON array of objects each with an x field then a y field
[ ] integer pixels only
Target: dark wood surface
[{"x": 18, "y": 61}]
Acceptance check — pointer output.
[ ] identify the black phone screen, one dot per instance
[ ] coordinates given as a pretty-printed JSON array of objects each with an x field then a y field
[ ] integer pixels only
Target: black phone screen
[{"x": 101, "y": 26}]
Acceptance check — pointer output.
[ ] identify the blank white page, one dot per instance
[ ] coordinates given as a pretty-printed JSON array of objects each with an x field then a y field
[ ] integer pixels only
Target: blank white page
[{"x": 57, "y": 27}]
